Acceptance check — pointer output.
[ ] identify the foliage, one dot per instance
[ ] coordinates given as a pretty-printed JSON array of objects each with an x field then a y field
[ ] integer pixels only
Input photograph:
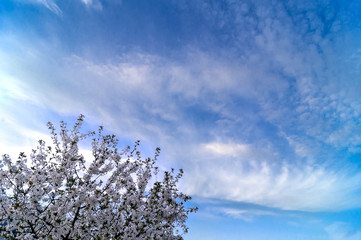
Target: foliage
[{"x": 61, "y": 195}]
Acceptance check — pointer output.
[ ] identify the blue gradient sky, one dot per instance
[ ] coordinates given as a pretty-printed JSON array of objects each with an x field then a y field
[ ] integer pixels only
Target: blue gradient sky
[{"x": 258, "y": 101}]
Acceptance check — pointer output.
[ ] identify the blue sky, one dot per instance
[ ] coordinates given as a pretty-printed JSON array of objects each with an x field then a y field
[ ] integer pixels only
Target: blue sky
[{"x": 258, "y": 101}]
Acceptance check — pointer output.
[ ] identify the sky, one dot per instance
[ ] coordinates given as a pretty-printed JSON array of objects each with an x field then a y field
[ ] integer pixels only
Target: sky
[{"x": 258, "y": 101}]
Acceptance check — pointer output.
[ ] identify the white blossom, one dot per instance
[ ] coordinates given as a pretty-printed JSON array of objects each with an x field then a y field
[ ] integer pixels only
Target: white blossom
[{"x": 57, "y": 197}]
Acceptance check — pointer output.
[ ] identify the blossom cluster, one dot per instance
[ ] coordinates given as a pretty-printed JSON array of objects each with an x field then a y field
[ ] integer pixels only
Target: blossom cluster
[{"x": 59, "y": 194}]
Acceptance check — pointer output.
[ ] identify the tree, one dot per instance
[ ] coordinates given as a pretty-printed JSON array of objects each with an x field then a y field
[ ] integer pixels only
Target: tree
[{"x": 61, "y": 195}]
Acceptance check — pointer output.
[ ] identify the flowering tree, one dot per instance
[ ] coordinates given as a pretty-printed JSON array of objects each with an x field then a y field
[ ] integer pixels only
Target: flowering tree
[{"x": 61, "y": 195}]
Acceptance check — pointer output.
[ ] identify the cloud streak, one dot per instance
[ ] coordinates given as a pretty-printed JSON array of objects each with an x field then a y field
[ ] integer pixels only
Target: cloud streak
[
  {"x": 260, "y": 178},
  {"x": 247, "y": 215},
  {"x": 96, "y": 4},
  {"x": 341, "y": 231},
  {"x": 49, "y": 4},
  {"x": 54, "y": 7}
]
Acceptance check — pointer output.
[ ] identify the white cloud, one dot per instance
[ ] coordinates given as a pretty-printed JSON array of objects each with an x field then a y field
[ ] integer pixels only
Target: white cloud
[
  {"x": 23, "y": 138},
  {"x": 247, "y": 215},
  {"x": 342, "y": 231},
  {"x": 50, "y": 4},
  {"x": 11, "y": 88},
  {"x": 264, "y": 180},
  {"x": 96, "y": 4},
  {"x": 232, "y": 149}
]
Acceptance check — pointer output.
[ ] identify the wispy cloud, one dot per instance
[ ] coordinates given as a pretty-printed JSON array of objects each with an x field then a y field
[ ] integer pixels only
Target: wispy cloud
[
  {"x": 96, "y": 4},
  {"x": 231, "y": 149},
  {"x": 342, "y": 231},
  {"x": 54, "y": 7},
  {"x": 262, "y": 179},
  {"x": 50, "y": 4},
  {"x": 246, "y": 214}
]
